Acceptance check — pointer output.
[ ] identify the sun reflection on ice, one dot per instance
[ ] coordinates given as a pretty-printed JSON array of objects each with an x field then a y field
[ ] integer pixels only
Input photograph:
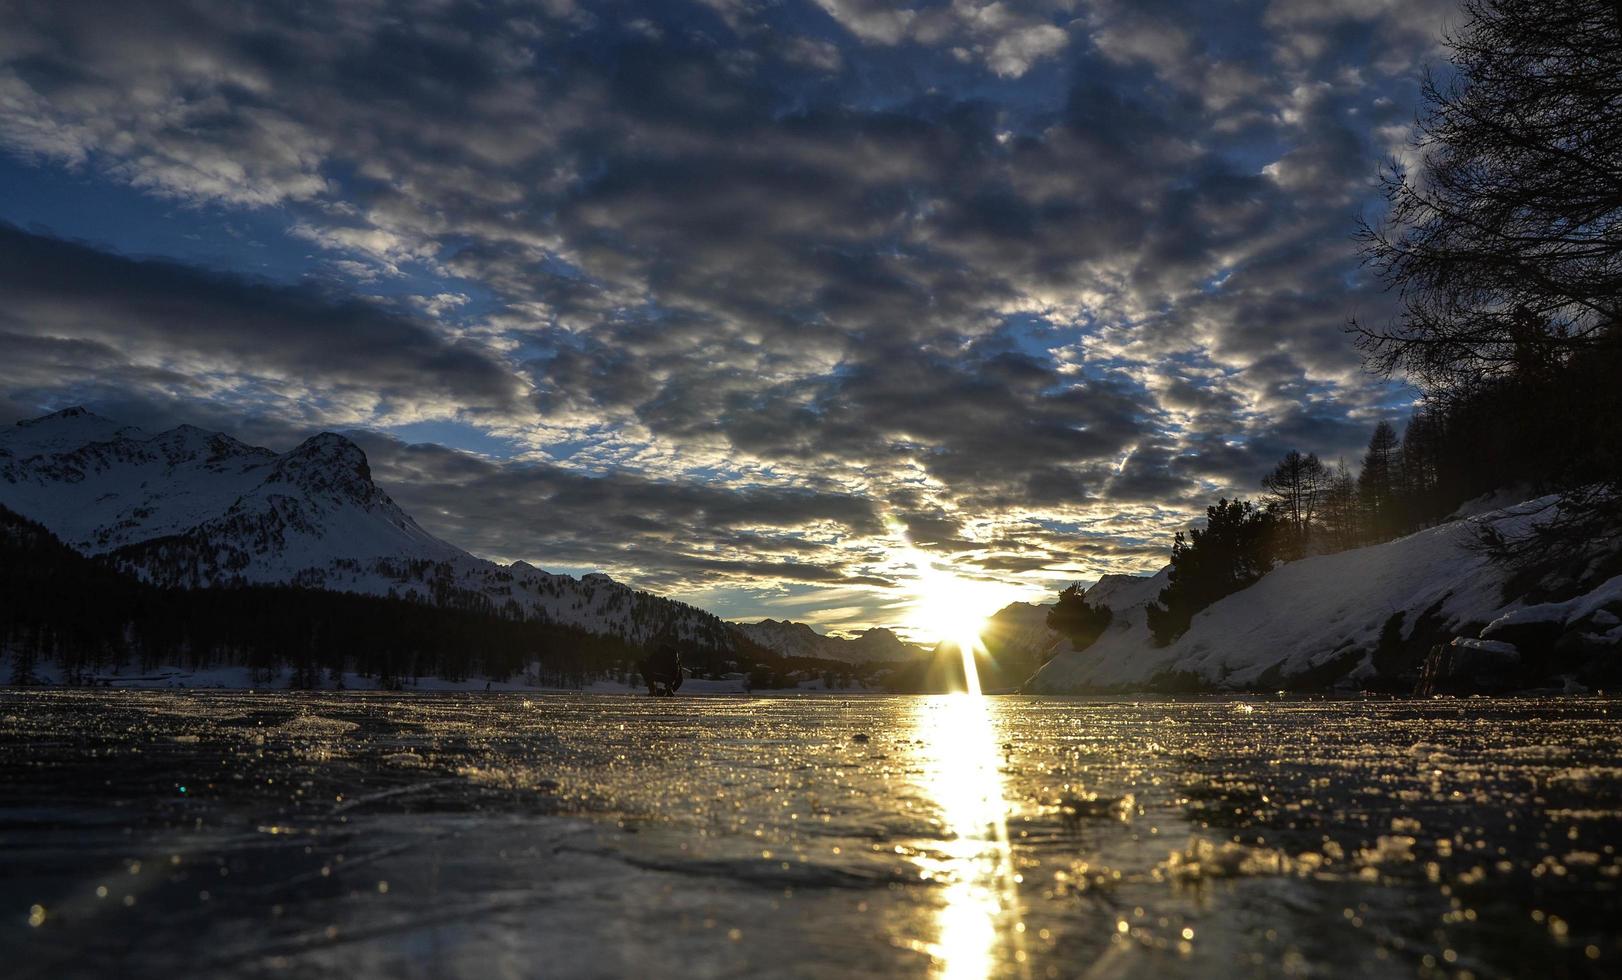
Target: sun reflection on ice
[{"x": 977, "y": 927}]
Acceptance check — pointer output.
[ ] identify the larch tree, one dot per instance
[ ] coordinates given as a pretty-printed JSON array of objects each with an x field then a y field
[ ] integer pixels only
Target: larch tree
[
  {"x": 1295, "y": 489},
  {"x": 1378, "y": 483},
  {"x": 1505, "y": 241},
  {"x": 1342, "y": 518}
]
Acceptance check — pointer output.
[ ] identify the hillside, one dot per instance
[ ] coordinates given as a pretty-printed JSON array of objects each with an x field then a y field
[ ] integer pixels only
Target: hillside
[
  {"x": 1014, "y": 642},
  {"x": 791, "y": 639},
  {"x": 1370, "y": 618},
  {"x": 195, "y": 509}
]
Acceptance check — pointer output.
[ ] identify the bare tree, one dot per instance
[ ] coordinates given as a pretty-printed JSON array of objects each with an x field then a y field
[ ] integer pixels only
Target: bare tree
[
  {"x": 1378, "y": 483},
  {"x": 1506, "y": 242},
  {"x": 1342, "y": 519},
  {"x": 1295, "y": 488}
]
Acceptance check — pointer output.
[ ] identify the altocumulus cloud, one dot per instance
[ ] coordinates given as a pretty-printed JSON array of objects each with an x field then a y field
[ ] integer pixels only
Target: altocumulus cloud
[{"x": 711, "y": 293}]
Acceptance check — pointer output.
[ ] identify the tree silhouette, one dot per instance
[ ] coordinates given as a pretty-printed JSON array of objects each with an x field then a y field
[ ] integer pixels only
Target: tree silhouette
[
  {"x": 1234, "y": 549},
  {"x": 1342, "y": 516},
  {"x": 1378, "y": 483},
  {"x": 1295, "y": 490},
  {"x": 1073, "y": 618},
  {"x": 1506, "y": 243}
]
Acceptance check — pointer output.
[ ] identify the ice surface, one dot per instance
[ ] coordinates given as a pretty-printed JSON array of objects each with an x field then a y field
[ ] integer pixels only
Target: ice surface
[{"x": 157, "y": 833}]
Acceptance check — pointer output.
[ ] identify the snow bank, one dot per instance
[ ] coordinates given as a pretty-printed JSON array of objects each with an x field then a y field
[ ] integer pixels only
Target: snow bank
[
  {"x": 1563, "y": 613},
  {"x": 1319, "y": 616}
]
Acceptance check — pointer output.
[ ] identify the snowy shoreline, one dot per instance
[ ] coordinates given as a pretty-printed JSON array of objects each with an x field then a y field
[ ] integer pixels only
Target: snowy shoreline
[
  {"x": 53, "y": 676},
  {"x": 1430, "y": 606}
]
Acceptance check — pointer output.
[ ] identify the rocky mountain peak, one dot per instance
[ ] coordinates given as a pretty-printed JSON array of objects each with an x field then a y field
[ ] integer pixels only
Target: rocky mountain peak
[
  {"x": 191, "y": 508},
  {"x": 61, "y": 431},
  {"x": 75, "y": 412},
  {"x": 328, "y": 465}
]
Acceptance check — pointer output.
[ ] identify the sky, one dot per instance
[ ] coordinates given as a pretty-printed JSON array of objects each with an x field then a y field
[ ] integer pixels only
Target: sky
[{"x": 780, "y": 308}]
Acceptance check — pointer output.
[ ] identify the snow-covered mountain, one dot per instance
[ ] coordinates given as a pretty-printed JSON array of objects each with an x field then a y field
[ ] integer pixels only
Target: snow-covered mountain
[
  {"x": 799, "y": 640},
  {"x": 878, "y": 643},
  {"x": 1020, "y": 629},
  {"x": 192, "y": 508},
  {"x": 1368, "y": 617}
]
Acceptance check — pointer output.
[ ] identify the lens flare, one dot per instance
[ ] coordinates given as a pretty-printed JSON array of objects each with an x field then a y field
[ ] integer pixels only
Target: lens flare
[{"x": 950, "y": 608}]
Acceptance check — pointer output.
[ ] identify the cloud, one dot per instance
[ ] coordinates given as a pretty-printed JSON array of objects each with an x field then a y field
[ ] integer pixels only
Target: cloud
[
  {"x": 74, "y": 311},
  {"x": 1008, "y": 39},
  {"x": 761, "y": 281},
  {"x": 653, "y": 532}
]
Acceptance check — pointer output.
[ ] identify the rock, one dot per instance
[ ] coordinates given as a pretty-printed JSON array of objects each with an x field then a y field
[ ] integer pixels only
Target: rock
[
  {"x": 1593, "y": 659},
  {"x": 1534, "y": 638},
  {"x": 1470, "y": 666}
]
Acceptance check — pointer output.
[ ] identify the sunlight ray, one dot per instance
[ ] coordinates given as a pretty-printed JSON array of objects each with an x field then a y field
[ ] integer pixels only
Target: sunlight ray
[{"x": 977, "y": 931}]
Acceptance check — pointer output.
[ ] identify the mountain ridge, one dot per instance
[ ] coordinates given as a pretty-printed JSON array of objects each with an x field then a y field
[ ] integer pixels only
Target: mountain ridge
[
  {"x": 191, "y": 508},
  {"x": 795, "y": 639}
]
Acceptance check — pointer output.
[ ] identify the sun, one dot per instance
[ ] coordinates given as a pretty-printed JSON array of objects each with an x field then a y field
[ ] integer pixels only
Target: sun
[{"x": 952, "y": 608}]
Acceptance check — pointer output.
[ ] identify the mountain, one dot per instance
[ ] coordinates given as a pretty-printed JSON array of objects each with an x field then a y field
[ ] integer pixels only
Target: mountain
[
  {"x": 192, "y": 508},
  {"x": 1418, "y": 613},
  {"x": 1019, "y": 632},
  {"x": 70, "y": 618},
  {"x": 1014, "y": 642},
  {"x": 878, "y": 644},
  {"x": 799, "y": 640}
]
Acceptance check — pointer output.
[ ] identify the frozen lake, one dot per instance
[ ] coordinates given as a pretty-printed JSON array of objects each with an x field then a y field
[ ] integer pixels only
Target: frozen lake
[{"x": 492, "y": 835}]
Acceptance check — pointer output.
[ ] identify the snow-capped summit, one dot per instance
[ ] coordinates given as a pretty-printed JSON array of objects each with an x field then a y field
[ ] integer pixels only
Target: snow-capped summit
[
  {"x": 193, "y": 508},
  {"x": 100, "y": 485},
  {"x": 879, "y": 643},
  {"x": 58, "y": 431},
  {"x": 330, "y": 464},
  {"x": 799, "y": 640}
]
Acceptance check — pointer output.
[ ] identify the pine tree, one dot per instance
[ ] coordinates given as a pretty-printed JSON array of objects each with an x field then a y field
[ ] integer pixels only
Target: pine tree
[
  {"x": 1073, "y": 618},
  {"x": 1237, "y": 546}
]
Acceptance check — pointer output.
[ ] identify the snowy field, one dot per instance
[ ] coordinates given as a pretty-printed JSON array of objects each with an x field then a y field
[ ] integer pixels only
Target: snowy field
[{"x": 353, "y": 834}]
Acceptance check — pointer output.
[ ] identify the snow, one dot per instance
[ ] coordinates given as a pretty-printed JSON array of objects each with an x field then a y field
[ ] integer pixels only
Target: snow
[
  {"x": 800, "y": 640},
  {"x": 100, "y": 486},
  {"x": 1310, "y": 612},
  {"x": 1497, "y": 647},
  {"x": 194, "y": 508},
  {"x": 1571, "y": 611}
]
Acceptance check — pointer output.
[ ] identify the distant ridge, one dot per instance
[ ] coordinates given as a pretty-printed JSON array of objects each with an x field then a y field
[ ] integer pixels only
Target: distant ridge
[{"x": 799, "y": 640}]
